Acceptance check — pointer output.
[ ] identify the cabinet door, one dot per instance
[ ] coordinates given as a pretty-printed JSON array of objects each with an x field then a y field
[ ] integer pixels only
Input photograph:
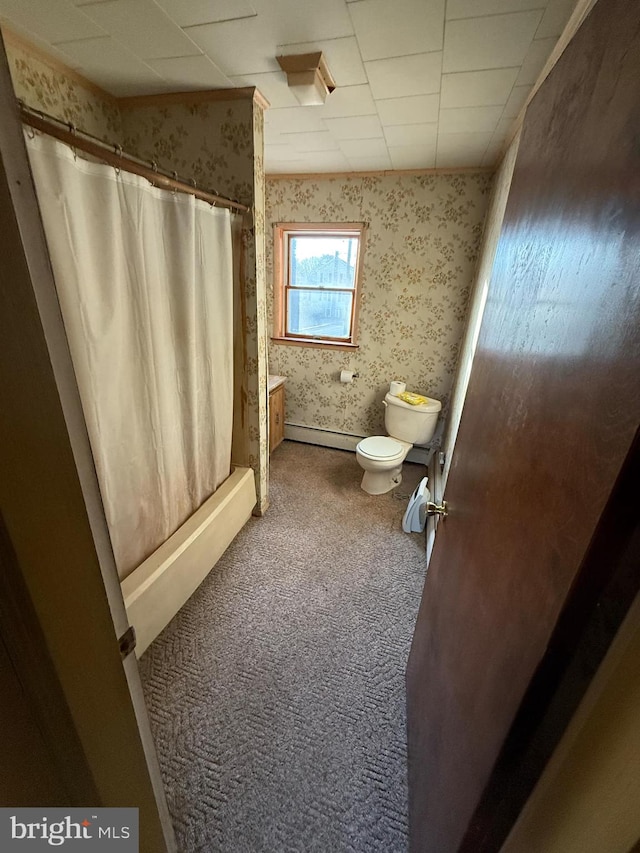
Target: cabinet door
[{"x": 276, "y": 417}]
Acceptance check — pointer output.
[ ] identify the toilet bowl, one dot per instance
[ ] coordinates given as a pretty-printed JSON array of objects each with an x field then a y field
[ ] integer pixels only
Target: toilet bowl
[{"x": 381, "y": 456}]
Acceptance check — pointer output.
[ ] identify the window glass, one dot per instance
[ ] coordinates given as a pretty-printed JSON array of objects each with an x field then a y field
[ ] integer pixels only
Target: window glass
[
  {"x": 325, "y": 314},
  {"x": 322, "y": 261}
]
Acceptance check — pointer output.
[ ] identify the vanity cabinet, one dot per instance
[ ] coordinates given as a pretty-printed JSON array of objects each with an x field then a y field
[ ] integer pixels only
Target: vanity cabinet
[{"x": 276, "y": 411}]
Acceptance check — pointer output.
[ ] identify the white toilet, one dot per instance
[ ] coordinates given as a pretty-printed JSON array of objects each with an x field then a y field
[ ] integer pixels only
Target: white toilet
[{"x": 382, "y": 456}]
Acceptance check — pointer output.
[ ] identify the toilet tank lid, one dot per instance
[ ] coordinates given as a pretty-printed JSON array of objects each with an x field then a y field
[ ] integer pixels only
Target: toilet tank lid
[{"x": 430, "y": 406}]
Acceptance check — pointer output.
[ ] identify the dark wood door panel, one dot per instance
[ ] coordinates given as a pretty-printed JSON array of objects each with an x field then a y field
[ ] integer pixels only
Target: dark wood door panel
[{"x": 551, "y": 412}]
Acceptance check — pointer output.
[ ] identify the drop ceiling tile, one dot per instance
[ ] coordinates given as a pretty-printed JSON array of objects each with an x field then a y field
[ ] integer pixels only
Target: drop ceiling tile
[
  {"x": 284, "y": 167},
  {"x": 381, "y": 163},
  {"x": 503, "y": 127},
  {"x": 385, "y": 29},
  {"x": 404, "y": 76},
  {"x": 534, "y": 61},
  {"x": 516, "y": 101},
  {"x": 54, "y": 21},
  {"x": 355, "y": 148},
  {"x": 497, "y": 41},
  {"x": 416, "y": 109},
  {"x": 49, "y": 49},
  {"x": 302, "y": 20},
  {"x": 187, "y": 13},
  {"x": 323, "y": 161},
  {"x": 358, "y": 127},
  {"x": 342, "y": 56},
  {"x": 190, "y": 72},
  {"x": 493, "y": 152},
  {"x": 477, "y": 88},
  {"x": 461, "y": 149},
  {"x": 308, "y": 142},
  {"x": 272, "y": 84},
  {"x": 294, "y": 120},
  {"x": 411, "y": 134},
  {"x": 143, "y": 27},
  {"x": 112, "y": 66},
  {"x": 349, "y": 101},
  {"x": 555, "y": 17},
  {"x": 478, "y": 8},
  {"x": 413, "y": 156},
  {"x": 470, "y": 119},
  {"x": 282, "y": 153},
  {"x": 238, "y": 47}
]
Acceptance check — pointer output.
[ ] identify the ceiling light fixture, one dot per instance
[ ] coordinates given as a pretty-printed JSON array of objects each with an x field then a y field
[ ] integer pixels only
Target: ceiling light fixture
[{"x": 308, "y": 77}]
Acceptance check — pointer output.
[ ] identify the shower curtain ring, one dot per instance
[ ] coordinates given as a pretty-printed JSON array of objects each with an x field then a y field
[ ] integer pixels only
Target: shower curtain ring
[
  {"x": 73, "y": 130},
  {"x": 31, "y": 133}
]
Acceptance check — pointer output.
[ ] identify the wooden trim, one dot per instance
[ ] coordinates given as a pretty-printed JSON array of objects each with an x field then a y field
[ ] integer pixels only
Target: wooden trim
[
  {"x": 355, "y": 227},
  {"x": 379, "y": 173},
  {"x": 580, "y": 12},
  {"x": 164, "y": 99},
  {"x": 355, "y": 324},
  {"x": 310, "y": 342},
  {"x": 281, "y": 279},
  {"x": 13, "y": 39},
  {"x": 158, "y": 588}
]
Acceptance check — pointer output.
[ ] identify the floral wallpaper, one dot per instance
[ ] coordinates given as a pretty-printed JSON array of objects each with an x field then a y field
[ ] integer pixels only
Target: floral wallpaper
[
  {"x": 48, "y": 88},
  {"x": 421, "y": 251},
  {"x": 220, "y": 144}
]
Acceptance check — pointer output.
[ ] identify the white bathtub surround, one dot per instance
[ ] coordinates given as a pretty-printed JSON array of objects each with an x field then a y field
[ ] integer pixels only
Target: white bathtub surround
[{"x": 155, "y": 591}]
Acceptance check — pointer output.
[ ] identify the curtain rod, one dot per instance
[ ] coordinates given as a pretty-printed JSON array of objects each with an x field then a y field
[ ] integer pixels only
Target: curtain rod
[{"x": 113, "y": 155}]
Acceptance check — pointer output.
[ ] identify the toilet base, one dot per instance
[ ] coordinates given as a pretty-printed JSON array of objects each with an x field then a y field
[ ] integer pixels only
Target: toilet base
[{"x": 379, "y": 482}]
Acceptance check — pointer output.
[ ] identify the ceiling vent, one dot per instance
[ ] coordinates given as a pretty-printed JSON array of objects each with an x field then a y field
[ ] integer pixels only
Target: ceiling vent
[{"x": 308, "y": 77}]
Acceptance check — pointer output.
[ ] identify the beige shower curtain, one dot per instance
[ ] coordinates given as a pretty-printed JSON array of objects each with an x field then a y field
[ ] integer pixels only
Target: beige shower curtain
[{"x": 145, "y": 282}]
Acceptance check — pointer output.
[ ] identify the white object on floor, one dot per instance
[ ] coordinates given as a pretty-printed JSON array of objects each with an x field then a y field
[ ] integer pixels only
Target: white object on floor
[
  {"x": 382, "y": 456},
  {"x": 415, "y": 518}
]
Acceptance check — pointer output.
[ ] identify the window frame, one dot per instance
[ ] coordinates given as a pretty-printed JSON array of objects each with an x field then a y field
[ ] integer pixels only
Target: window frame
[{"x": 282, "y": 234}]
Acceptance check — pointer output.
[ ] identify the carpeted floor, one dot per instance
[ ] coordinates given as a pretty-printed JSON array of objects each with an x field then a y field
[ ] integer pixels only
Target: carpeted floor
[{"x": 277, "y": 694}]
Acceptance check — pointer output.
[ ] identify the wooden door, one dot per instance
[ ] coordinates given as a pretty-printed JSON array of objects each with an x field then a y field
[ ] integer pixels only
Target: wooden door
[{"x": 545, "y": 442}]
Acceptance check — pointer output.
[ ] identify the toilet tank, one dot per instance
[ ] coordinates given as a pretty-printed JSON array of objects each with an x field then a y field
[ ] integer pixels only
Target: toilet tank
[{"x": 411, "y": 423}]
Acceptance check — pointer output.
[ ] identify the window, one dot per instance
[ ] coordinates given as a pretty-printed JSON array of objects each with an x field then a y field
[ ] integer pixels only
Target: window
[{"x": 317, "y": 271}]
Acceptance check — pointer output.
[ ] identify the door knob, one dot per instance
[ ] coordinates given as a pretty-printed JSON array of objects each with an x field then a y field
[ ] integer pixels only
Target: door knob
[{"x": 437, "y": 509}]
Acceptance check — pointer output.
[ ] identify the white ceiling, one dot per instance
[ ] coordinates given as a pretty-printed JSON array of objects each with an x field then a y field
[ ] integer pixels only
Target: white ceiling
[{"x": 420, "y": 83}]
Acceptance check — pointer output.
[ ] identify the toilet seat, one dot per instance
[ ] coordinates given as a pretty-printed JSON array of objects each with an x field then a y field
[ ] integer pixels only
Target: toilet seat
[{"x": 381, "y": 448}]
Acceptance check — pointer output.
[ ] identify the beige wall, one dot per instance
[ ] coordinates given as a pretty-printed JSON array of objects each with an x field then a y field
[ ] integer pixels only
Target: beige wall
[
  {"x": 587, "y": 800},
  {"x": 422, "y": 245}
]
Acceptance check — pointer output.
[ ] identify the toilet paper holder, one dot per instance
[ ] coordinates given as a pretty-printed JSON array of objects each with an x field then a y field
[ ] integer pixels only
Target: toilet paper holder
[{"x": 347, "y": 376}]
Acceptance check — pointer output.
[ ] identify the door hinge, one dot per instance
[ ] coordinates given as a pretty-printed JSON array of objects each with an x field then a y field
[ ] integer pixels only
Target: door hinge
[{"x": 127, "y": 642}]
